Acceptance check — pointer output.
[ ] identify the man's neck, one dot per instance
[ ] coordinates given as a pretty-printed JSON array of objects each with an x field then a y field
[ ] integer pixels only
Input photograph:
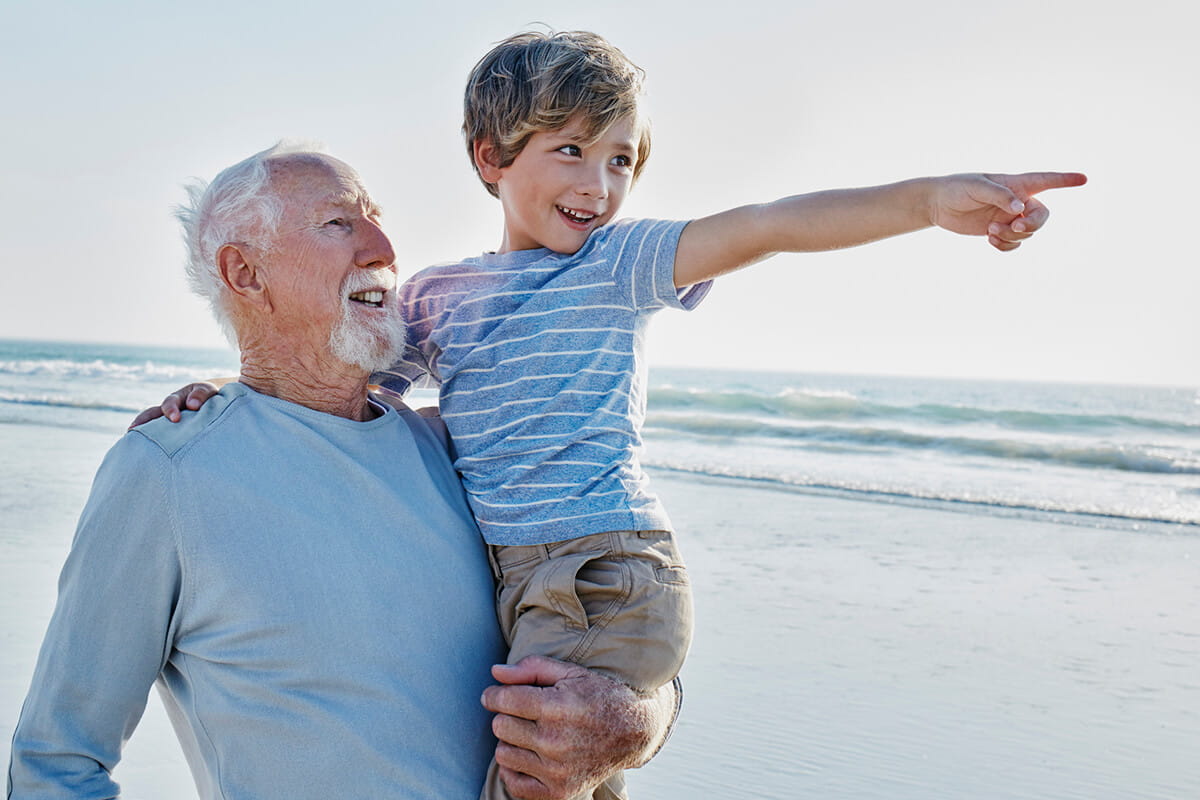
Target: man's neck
[{"x": 321, "y": 383}]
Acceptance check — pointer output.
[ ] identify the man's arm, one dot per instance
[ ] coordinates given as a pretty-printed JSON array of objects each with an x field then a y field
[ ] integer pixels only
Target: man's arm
[
  {"x": 563, "y": 729},
  {"x": 1002, "y": 207},
  {"x": 107, "y": 639}
]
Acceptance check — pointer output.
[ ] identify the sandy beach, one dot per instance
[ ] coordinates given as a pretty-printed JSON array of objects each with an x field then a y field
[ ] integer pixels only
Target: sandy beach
[
  {"x": 844, "y": 648},
  {"x": 864, "y": 650}
]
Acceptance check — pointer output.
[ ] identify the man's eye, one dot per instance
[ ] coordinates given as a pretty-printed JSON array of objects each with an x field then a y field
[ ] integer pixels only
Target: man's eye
[{"x": 338, "y": 221}]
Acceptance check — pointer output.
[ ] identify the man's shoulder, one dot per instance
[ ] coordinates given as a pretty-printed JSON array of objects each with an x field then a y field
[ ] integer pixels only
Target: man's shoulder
[
  {"x": 425, "y": 423},
  {"x": 171, "y": 437}
]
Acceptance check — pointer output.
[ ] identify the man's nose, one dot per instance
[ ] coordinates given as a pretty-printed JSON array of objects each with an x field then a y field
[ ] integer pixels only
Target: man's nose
[{"x": 376, "y": 249}]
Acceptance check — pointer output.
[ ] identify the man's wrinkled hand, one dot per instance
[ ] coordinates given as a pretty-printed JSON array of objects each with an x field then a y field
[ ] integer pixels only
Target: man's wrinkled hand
[{"x": 563, "y": 729}]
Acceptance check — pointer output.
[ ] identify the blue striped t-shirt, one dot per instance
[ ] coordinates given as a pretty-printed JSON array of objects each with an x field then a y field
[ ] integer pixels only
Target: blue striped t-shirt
[{"x": 539, "y": 359}]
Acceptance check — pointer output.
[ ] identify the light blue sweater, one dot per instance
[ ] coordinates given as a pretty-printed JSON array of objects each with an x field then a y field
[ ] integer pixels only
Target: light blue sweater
[{"x": 309, "y": 593}]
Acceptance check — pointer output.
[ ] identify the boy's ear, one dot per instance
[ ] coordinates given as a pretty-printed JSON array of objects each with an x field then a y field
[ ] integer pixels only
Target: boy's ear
[
  {"x": 240, "y": 275},
  {"x": 487, "y": 160}
]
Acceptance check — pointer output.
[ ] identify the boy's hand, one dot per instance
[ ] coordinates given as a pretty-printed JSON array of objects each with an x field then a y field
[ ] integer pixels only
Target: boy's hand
[
  {"x": 190, "y": 397},
  {"x": 1001, "y": 207}
]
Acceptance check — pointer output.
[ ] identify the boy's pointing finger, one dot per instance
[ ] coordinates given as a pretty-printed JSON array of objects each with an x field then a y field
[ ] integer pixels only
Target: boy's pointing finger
[{"x": 1030, "y": 183}]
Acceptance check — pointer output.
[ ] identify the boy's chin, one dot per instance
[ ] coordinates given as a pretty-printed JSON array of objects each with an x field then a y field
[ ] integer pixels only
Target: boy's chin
[{"x": 571, "y": 245}]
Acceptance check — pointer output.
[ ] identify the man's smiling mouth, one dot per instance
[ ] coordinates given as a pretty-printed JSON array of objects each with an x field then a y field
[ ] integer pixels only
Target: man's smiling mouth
[{"x": 373, "y": 298}]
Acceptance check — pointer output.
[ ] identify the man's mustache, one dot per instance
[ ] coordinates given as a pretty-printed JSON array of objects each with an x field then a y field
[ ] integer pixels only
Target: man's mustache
[{"x": 364, "y": 281}]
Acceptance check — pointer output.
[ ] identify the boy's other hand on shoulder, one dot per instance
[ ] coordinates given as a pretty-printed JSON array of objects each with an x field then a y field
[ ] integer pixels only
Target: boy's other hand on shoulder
[{"x": 189, "y": 397}]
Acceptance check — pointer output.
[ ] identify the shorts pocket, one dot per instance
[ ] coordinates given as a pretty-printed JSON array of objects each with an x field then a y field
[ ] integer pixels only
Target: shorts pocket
[{"x": 580, "y": 588}]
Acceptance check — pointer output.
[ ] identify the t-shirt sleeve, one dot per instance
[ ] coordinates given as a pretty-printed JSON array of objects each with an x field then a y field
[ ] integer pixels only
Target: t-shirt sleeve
[
  {"x": 412, "y": 369},
  {"x": 643, "y": 256},
  {"x": 110, "y": 633}
]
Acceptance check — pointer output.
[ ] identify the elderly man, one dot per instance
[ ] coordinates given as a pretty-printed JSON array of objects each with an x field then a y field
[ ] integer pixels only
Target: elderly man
[{"x": 295, "y": 565}]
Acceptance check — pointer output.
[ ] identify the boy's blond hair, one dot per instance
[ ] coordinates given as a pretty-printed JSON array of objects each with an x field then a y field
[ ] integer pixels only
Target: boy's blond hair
[{"x": 536, "y": 82}]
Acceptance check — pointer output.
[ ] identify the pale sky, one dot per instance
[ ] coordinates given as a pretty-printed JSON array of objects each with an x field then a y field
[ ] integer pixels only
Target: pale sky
[{"x": 110, "y": 107}]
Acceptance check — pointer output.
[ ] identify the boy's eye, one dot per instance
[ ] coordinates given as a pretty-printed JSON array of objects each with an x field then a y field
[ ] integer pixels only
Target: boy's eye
[
  {"x": 570, "y": 149},
  {"x": 622, "y": 161}
]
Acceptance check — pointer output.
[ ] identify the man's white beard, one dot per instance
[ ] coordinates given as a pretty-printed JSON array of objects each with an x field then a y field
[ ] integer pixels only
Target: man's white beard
[{"x": 372, "y": 345}]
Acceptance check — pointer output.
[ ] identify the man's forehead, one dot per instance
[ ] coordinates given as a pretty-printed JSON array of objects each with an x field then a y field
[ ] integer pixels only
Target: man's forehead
[
  {"x": 315, "y": 180},
  {"x": 355, "y": 199}
]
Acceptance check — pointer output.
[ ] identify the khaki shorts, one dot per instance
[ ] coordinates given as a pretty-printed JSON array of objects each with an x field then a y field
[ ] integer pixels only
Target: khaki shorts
[{"x": 619, "y": 603}]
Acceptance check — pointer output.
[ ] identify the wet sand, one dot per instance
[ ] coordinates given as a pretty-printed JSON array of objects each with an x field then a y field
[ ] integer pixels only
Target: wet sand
[{"x": 861, "y": 650}]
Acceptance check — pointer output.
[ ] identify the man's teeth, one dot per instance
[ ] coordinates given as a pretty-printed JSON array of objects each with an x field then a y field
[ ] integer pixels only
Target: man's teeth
[
  {"x": 578, "y": 216},
  {"x": 370, "y": 298}
]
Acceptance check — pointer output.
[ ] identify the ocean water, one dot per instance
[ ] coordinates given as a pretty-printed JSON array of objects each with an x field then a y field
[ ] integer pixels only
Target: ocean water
[
  {"x": 904, "y": 588},
  {"x": 1096, "y": 455},
  {"x": 1100, "y": 455}
]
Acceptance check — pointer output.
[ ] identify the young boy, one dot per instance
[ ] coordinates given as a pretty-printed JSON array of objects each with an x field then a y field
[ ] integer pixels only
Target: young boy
[{"x": 537, "y": 347}]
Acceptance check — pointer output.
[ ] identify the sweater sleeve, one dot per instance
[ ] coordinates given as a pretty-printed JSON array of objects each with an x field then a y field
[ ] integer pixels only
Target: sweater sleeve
[{"x": 109, "y": 636}]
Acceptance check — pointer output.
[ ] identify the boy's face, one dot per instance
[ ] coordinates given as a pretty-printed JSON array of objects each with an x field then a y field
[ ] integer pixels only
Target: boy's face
[{"x": 559, "y": 189}]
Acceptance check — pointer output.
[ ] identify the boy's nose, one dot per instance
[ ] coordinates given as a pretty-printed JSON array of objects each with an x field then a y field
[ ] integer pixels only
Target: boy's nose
[{"x": 593, "y": 184}]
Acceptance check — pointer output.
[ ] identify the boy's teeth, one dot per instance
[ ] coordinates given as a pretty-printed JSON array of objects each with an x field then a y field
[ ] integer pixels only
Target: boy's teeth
[{"x": 577, "y": 215}]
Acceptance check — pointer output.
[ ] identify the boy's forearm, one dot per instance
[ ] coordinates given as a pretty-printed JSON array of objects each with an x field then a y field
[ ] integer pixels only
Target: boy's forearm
[
  {"x": 825, "y": 220},
  {"x": 837, "y": 218}
]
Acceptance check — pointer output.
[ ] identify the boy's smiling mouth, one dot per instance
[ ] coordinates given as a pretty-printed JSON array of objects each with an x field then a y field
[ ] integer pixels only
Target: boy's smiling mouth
[{"x": 575, "y": 215}]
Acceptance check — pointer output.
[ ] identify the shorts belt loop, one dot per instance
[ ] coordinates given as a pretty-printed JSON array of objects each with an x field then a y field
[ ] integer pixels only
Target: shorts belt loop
[{"x": 491, "y": 554}]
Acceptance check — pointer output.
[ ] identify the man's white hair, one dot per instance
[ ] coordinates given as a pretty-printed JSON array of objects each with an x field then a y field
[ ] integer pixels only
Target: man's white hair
[{"x": 236, "y": 207}]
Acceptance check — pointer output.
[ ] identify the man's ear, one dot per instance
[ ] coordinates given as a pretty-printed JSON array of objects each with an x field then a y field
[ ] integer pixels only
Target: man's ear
[
  {"x": 240, "y": 275},
  {"x": 487, "y": 160}
]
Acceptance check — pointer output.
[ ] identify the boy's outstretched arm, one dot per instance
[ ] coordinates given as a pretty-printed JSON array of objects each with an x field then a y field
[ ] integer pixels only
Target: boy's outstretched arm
[{"x": 1001, "y": 207}]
